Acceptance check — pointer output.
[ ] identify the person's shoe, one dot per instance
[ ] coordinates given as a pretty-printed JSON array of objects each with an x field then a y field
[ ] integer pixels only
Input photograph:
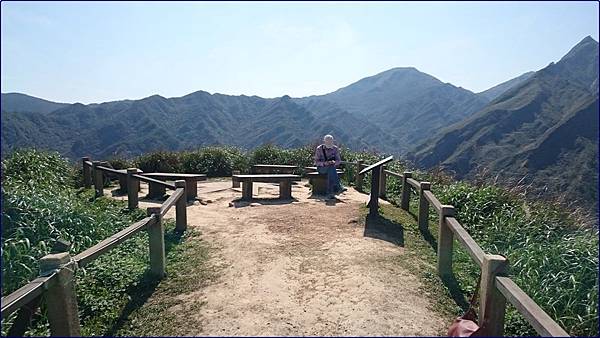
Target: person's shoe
[{"x": 331, "y": 197}]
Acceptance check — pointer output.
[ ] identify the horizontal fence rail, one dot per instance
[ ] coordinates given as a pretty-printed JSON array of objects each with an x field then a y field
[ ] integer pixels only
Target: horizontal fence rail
[
  {"x": 496, "y": 288},
  {"x": 538, "y": 318},
  {"x": 25, "y": 294},
  {"x": 55, "y": 285},
  {"x": 154, "y": 181}
]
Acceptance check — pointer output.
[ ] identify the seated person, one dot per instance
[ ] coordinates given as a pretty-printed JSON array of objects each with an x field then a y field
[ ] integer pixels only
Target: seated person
[{"x": 327, "y": 159}]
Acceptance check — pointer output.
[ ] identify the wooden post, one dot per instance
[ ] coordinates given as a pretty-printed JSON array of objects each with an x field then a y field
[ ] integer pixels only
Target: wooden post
[
  {"x": 156, "y": 240},
  {"x": 235, "y": 184},
  {"x": 132, "y": 188},
  {"x": 87, "y": 173},
  {"x": 98, "y": 179},
  {"x": 61, "y": 300},
  {"x": 423, "y": 207},
  {"x": 404, "y": 203},
  {"x": 382, "y": 182},
  {"x": 181, "y": 208},
  {"x": 358, "y": 179},
  {"x": 374, "y": 197},
  {"x": 445, "y": 242},
  {"x": 492, "y": 306}
]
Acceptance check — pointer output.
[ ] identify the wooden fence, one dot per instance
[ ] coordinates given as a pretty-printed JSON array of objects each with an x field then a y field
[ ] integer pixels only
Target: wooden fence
[
  {"x": 56, "y": 281},
  {"x": 496, "y": 287}
]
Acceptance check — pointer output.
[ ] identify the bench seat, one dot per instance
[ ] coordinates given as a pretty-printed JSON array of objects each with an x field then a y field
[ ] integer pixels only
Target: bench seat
[{"x": 284, "y": 180}]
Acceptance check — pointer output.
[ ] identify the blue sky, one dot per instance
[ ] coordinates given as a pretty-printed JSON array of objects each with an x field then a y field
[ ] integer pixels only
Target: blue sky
[{"x": 94, "y": 52}]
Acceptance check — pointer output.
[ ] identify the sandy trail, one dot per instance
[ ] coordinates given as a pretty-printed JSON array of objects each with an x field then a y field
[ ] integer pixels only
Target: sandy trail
[{"x": 303, "y": 268}]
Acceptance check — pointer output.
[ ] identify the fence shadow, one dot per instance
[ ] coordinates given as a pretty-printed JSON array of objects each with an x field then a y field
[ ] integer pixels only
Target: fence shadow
[
  {"x": 144, "y": 288},
  {"x": 384, "y": 229},
  {"x": 456, "y": 292}
]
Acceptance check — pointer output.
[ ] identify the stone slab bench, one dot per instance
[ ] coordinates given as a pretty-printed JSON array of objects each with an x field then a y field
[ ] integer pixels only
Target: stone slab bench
[
  {"x": 319, "y": 181},
  {"x": 273, "y": 169},
  {"x": 191, "y": 186},
  {"x": 284, "y": 180}
]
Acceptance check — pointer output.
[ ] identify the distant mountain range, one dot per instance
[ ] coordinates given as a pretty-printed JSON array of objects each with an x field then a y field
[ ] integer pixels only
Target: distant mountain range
[
  {"x": 540, "y": 123},
  {"x": 545, "y": 129}
]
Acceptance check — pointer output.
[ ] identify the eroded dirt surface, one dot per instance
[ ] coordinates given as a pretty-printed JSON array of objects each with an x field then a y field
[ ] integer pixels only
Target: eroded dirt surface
[{"x": 306, "y": 267}]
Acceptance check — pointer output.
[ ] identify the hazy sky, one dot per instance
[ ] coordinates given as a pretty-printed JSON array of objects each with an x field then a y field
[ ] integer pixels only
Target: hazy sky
[{"x": 93, "y": 52}]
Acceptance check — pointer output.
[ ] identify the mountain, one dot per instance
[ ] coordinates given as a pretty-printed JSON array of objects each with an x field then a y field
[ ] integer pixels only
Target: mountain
[
  {"x": 17, "y": 102},
  {"x": 545, "y": 129},
  {"x": 133, "y": 127},
  {"x": 407, "y": 103},
  {"x": 498, "y": 90}
]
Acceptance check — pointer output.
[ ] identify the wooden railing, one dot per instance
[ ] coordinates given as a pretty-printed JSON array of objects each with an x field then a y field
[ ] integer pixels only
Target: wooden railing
[
  {"x": 56, "y": 282},
  {"x": 496, "y": 287}
]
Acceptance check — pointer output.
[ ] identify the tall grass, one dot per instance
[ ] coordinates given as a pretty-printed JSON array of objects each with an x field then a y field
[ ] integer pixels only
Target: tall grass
[{"x": 40, "y": 206}]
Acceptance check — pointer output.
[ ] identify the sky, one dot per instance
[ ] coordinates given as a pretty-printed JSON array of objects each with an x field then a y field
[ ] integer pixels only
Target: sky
[{"x": 96, "y": 52}]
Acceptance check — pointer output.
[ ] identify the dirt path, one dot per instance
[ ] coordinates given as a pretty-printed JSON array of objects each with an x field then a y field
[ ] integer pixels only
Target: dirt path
[{"x": 303, "y": 268}]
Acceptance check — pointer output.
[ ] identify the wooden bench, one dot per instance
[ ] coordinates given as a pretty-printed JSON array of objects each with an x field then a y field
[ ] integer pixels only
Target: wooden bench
[
  {"x": 284, "y": 180},
  {"x": 123, "y": 180},
  {"x": 191, "y": 186},
  {"x": 319, "y": 181},
  {"x": 273, "y": 169}
]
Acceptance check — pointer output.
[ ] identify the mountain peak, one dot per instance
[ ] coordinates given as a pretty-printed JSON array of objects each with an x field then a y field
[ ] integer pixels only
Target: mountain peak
[{"x": 587, "y": 46}]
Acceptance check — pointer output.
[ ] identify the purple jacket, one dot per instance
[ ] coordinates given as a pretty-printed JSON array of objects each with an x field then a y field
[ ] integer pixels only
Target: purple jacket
[{"x": 331, "y": 153}]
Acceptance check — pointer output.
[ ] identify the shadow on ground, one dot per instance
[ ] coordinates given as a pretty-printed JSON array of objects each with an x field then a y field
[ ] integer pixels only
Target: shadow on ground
[
  {"x": 384, "y": 229},
  {"x": 239, "y": 203}
]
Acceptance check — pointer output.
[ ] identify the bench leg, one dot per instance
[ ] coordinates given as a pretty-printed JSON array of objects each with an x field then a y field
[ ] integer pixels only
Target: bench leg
[
  {"x": 191, "y": 189},
  {"x": 319, "y": 185},
  {"x": 122, "y": 183},
  {"x": 285, "y": 190},
  {"x": 156, "y": 190},
  {"x": 246, "y": 190}
]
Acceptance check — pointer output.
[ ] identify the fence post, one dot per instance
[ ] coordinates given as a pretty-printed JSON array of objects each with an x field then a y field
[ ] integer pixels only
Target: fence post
[
  {"x": 358, "y": 179},
  {"x": 445, "y": 242},
  {"x": 98, "y": 179},
  {"x": 132, "y": 188},
  {"x": 404, "y": 203},
  {"x": 235, "y": 184},
  {"x": 87, "y": 173},
  {"x": 181, "y": 208},
  {"x": 382, "y": 182},
  {"x": 492, "y": 306},
  {"x": 156, "y": 240},
  {"x": 61, "y": 300},
  {"x": 423, "y": 207}
]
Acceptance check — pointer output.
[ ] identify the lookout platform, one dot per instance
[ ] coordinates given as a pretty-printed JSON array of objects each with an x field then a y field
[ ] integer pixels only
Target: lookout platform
[{"x": 303, "y": 267}]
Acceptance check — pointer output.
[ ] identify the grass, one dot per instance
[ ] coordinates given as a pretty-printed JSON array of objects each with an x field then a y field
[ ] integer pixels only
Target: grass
[{"x": 166, "y": 313}]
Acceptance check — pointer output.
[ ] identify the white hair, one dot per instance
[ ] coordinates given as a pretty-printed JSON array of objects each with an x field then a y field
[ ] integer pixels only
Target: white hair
[{"x": 327, "y": 137}]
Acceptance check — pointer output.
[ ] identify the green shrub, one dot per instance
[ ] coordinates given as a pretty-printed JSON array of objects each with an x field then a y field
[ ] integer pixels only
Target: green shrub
[
  {"x": 120, "y": 163},
  {"x": 160, "y": 161},
  {"x": 213, "y": 161}
]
